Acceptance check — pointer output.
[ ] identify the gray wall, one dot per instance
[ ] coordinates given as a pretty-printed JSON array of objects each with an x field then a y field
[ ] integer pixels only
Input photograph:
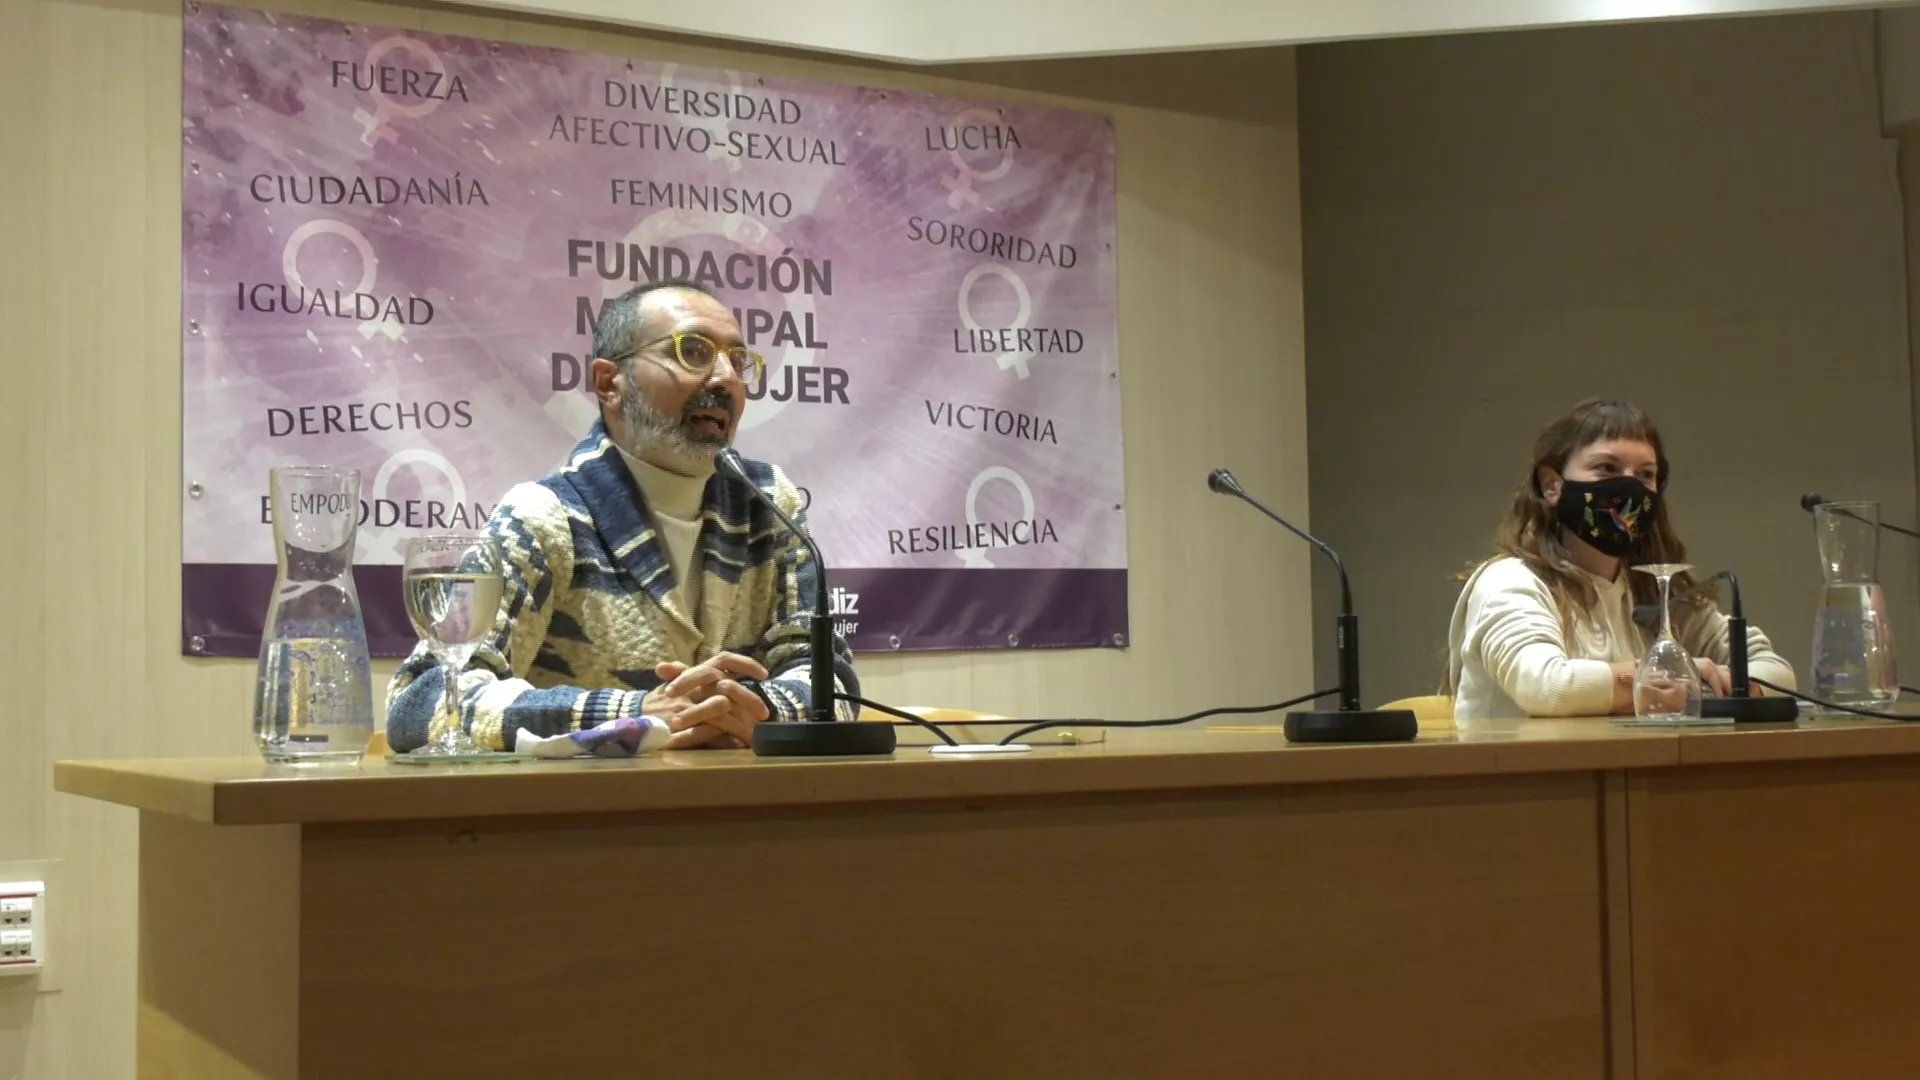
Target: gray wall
[{"x": 1700, "y": 216}]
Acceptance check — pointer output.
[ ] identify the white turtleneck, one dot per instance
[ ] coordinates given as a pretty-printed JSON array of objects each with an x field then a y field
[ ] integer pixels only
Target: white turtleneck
[{"x": 674, "y": 501}]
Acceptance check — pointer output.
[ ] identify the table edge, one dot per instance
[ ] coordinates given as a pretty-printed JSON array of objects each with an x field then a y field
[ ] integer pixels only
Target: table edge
[
  {"x": 912, "y": 776},
  {"x": 523, "y": 791}
]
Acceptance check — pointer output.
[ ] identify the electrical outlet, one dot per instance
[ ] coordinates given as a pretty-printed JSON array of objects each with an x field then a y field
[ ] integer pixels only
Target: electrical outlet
[
  {"x": 22, "y": 927},
  {"x": 16, "y": 912}
]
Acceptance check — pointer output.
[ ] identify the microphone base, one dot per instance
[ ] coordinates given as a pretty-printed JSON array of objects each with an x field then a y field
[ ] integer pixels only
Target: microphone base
[
  {"x": 1751, "y": 710},
  {"x": 824, "y": 738},
  {"x": 1353, "y": 726}
]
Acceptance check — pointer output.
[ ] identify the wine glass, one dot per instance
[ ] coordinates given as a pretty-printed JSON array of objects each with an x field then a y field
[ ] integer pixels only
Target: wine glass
[
  {"x": 453, "y": 586},
  {"x": 1666, "y": 688}
]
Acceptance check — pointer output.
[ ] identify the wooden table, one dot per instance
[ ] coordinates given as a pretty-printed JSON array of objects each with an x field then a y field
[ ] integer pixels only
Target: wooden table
[{"x": 1566, "y": 899}]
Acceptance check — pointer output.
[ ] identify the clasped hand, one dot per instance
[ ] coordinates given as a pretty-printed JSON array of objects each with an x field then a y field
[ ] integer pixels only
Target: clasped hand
[
  {"x": 704, "y": 704},
  {"x": 1715, "y": 679},
  {"x": 1668, "y": 697}
]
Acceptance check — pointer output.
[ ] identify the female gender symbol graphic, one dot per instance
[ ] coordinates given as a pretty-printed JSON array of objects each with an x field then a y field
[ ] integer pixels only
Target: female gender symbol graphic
[
  {"x": 374, "y": 124},
  {"x": 1015, "y": 360},
  {"x": 960, "y": 185},
  {"x": 384, "y": 544},
  {"x": 718, "y": 126},
  {"x": 369, "y": 268},
  {"x": 976, "y": 558}
]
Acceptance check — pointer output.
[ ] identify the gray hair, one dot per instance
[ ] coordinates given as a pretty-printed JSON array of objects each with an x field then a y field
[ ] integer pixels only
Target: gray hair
[{"x": 617, "y": 332}]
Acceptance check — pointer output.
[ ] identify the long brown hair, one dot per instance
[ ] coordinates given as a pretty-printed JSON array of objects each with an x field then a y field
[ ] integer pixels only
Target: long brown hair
[{"x": 1531, "y": 533}]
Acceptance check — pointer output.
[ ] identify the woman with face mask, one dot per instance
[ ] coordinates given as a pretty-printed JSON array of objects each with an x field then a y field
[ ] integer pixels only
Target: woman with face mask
[{"x": 1546, "y": 627}]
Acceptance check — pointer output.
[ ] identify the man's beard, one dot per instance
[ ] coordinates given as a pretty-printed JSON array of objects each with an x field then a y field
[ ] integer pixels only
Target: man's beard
[{"x": 649, "y": 429}]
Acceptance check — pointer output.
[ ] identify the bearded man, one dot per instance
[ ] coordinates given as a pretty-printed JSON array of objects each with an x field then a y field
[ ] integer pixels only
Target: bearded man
[{"x": 638, "y": 581}]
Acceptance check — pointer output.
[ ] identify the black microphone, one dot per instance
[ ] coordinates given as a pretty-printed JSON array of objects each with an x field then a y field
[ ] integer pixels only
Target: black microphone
[
  {"x": 823, "y": 733},
  {"x": 1350, "y": 723},
  {"x": 1813, "y": 500},
  {"x": 1740, "y": 705}
]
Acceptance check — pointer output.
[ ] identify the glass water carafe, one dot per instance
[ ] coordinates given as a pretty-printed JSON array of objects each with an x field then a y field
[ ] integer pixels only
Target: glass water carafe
[
  {"x": 314, "y": 702},
  {"x": 1853, "y": 660}
]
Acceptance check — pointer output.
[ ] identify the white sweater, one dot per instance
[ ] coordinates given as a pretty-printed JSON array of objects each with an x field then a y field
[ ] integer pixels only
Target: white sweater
[{"x": 1512, "y": 654}]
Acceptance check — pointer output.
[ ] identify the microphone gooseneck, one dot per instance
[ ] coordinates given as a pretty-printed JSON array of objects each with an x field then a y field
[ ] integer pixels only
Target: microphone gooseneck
[
  {"x": 820, "y": 632},
  {"x": 1223, "y": 482},
  {"x": 1350, "y": 723},
  {"x": 1813, "y": 500},
  {"x": 822, "y": 735},
  {"x": 1736, "y": 637},
  {"x": 1741, "y": 705},
  {"x": 1733, "y": 590}
]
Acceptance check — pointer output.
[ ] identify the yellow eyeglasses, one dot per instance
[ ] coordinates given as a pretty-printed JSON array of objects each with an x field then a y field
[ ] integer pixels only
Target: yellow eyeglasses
[{"x": 698, "y": 353}]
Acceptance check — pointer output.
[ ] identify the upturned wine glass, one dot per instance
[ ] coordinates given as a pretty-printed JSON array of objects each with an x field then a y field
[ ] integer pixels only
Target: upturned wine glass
[
  {"x": 453, "y": 586},
  {"x": 1666, "y": 687}
]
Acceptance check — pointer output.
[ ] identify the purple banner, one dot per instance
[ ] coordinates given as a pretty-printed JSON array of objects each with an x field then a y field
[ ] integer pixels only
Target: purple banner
[
  {"x": 395, "y": 249},
  {"x": 874, "y": 610}
]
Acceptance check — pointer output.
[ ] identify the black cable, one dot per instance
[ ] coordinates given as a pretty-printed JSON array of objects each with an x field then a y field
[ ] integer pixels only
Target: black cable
[
  {"x": 1235, "y": 710},
  {"x": 1909, "y": 689},
  {"x": 1836, "y": 706},
  {"x": 901, "y": 713}
]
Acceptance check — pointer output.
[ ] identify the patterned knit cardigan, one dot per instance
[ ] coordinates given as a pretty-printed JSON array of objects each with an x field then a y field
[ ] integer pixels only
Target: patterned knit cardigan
[{"x": 589, "y": 606}]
